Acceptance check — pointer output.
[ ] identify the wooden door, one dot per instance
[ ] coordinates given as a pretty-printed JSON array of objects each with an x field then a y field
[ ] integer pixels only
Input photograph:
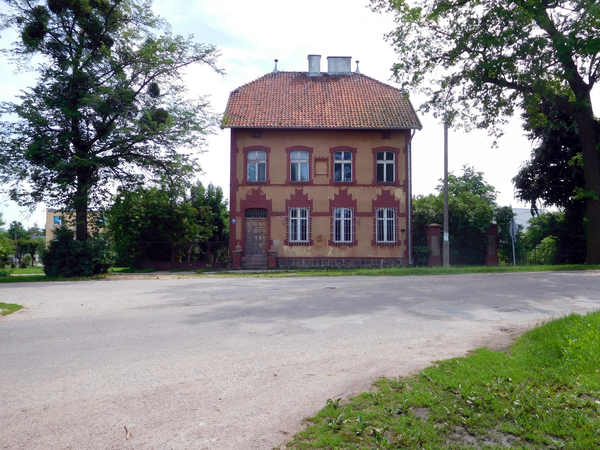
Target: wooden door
[{"x": 256, "y": 233}]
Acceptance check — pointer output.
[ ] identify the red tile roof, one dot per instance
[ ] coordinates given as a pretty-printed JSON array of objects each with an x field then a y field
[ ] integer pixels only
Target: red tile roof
[{"x": 295, "y": 100}]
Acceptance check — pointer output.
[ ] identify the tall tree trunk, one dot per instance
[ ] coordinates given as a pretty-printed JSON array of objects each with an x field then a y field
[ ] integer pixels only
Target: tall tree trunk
[
  {"x": 81, "y": 204},
  {"x": 589, "y": 134}
]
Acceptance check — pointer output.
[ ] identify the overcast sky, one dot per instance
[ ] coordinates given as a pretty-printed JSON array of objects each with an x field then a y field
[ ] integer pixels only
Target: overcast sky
[{"x": 250, "y": 35}]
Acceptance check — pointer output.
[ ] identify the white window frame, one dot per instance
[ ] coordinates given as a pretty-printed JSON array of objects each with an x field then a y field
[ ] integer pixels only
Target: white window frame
[
  {"x": 256, "y": 159},
  {"x": 342, "y": 162},
  {"x": 384, "y": 163},
  {"x": 343, "y": 226},
  {"x": 296, "y": 222},
  {"x": 299, "y": 160},
  {"x": 385, "y": 226}
]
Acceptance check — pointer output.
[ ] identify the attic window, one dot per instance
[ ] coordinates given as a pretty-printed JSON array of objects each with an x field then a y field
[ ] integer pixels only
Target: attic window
[
  {"x": 257, "y": 134},
  {"x": 386, "y": 135}
]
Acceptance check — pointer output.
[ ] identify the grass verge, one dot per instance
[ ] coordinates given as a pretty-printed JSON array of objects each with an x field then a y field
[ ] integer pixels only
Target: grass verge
[
  {"x": 404, "y": 271},
  {"x": 542, "y": 394},
  {"x": 8, "y": 308}
]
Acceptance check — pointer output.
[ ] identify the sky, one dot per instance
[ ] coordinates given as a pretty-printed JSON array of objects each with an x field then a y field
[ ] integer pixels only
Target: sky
[{"x": 250, "y": 35}]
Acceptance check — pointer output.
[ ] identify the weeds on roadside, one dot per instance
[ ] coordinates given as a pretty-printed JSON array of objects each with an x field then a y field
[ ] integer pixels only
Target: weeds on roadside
[
  {"x": 543, "y": 393},
  {"x": 9, "y": 308}
]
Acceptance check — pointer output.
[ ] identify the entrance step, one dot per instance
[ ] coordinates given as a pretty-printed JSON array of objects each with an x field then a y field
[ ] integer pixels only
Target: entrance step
[{"x": 255, "y": 262}]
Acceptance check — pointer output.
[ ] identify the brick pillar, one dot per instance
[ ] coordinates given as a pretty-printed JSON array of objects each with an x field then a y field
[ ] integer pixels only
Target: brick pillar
[
  {"x": 492, "y": 245},
  {"x": 433, "y": 241},
  {"x": 272, "y": 258},
  {"x": 236, "y": 257}
]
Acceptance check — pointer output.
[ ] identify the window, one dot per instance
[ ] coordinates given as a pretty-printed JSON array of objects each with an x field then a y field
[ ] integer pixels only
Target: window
[
  {"x": 342, "y": 166},
  {"x": 257, "y": 166},
  {"x": 299, "y": 221},
  {"x": 385, "y": 167},
  {"x": 343, "y": 226},
  {"x": 385, "y": 225},
  {"x": 299, "y": 166}
]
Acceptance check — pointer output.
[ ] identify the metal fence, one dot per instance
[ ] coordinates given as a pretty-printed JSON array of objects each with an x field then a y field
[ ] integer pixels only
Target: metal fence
[
  {"x": 166, "y": 255},
  {"x": 545, "y": 254}
]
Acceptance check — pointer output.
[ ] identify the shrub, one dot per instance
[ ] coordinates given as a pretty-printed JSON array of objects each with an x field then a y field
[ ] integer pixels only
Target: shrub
[{"x": 66, "y": 257}]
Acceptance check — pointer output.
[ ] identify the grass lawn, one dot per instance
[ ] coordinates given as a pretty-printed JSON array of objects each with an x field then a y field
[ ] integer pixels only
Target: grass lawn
[
  {"x": 544, "y": 393},
  {"x": 28, "y": 270},
  {"x": 9, "y": 308}
]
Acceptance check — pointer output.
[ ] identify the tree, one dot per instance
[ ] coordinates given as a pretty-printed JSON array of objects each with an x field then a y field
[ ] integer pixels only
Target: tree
[
  {"x": 470, "y": 181},
  {"x": 554, "y": 174},
  {"x": 499, "y": 52},
  {"x": 568, "y": 236},
  {"x": 109, "y": 106},
  {"x": 151, "y": 214},
  {"x": 212, "y": 210},
  {"x": 168, "y": 217},
  {"x": 470, "y": 217}
]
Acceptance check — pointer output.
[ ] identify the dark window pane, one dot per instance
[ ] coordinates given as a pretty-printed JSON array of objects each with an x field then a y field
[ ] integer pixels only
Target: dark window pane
[
  {"x": 380, "y": 172},
  {"x": 337, "y": 172},
  {"x": 294, "y": 172},
  {"x": 389, "y": 172}
]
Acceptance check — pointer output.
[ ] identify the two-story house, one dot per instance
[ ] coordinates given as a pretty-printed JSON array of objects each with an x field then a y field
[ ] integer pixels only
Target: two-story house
[{"x": 320, "y": 169}]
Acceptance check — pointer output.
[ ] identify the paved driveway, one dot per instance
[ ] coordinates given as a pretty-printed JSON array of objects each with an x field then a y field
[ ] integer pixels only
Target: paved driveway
[{"x": 237, "y": 363}]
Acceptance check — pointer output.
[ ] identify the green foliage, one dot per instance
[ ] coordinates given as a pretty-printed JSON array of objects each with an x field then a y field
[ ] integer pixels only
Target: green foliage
[
  {"x": 17, "y": 229},
  {"x": 167, "y": 215},
  {"x": 109, "y": 109},
  {"x": 67, "y": 257},
  {"x": 469, "y": 218},
  {"x": 504, "y": 216},
  {"x": 7, "y": 246},
  {"x": 505, "y": 53},
  {"x": 470, "y": 181},
  {"x": 567, "y": 230},
  {"x": 544, "y": 393},
  {"x": 150, "y": 215},
  {"x": 471, "y": 211},
  {"x": 212, "y": 211},
  {"x": 554, "y": 171}
]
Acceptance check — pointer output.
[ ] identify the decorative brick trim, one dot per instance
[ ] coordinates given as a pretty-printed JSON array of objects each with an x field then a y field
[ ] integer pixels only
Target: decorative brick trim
[
  {"x": 343, "y": 200},
  {"x": 396, "y": 152},
  {"x": 233, "y": 188},
  {"x": 386, "y": 200},
  {"x": 257, "y": 199},
  {"x": 267, "y": 174},
  {"x": 321, "y": 158},
  {"x": 298, "y": 200},
  {"x": 342, "y": 148},
  {"x": 301, "y": 148}
]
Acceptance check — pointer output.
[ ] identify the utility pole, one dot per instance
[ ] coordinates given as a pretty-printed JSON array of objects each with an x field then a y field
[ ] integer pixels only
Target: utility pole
[{"x": 446, "y": 244}]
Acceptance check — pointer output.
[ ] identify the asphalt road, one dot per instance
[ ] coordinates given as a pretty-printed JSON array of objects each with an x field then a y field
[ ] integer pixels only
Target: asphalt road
[{"x": 237, "y": 363}]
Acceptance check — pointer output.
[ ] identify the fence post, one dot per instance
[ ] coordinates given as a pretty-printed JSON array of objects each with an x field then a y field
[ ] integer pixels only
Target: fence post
[{"x": 492, "y": 245}]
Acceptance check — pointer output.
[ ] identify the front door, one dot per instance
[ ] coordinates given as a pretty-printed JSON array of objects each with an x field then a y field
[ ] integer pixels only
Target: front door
[{"x": 256, "y": 232}]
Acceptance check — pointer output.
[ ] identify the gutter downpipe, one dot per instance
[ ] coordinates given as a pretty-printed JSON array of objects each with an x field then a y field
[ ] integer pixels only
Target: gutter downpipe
[{"x": 410, "y": 249}]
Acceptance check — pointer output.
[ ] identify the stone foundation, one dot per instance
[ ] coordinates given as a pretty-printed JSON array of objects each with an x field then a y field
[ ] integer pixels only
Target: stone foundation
[{"x": 374, "y": 263}]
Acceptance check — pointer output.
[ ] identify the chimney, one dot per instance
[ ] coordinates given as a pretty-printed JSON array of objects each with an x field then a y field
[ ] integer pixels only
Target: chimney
[
  {"x": 339, "y": 65},
  {"x": 314, "y": 65}
]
